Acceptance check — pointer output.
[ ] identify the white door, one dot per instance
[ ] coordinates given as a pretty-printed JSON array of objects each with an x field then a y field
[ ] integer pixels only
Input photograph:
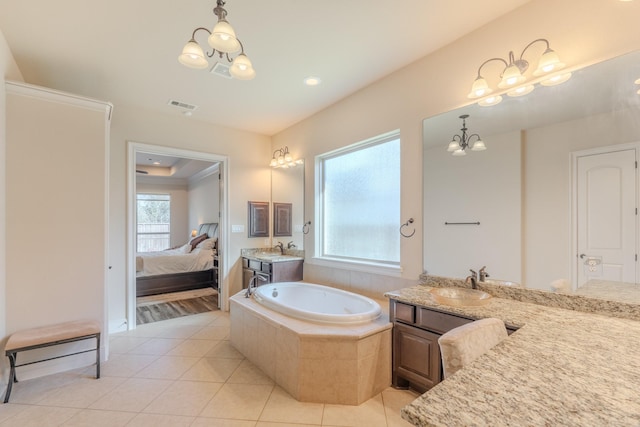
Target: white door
[{"x": 606, "y": 215}]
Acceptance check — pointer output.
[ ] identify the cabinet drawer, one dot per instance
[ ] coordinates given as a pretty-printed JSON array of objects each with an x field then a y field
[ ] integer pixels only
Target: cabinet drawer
[
  {"x": 439, "y": 322},
  {"x": 405, "y": 312}
]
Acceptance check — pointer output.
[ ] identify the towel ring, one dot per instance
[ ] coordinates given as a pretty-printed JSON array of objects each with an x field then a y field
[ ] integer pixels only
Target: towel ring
[
  {"x": 406, "y": 224},
  {"x": 305, "y": 227}
]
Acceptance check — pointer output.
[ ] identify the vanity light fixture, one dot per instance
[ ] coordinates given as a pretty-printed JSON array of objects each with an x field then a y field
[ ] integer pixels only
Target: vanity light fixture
[
  {"x": 283, "y": 159},
  {"x": 512, "y": 77},
  {"x": 223, "y": 41},
  {"x": 459, "y": 143}
]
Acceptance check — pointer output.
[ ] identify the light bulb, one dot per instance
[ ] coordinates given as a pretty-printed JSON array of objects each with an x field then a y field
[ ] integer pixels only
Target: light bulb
[
  {"x": 192, "y": 56},
  {"x": 479, "y": 88}
]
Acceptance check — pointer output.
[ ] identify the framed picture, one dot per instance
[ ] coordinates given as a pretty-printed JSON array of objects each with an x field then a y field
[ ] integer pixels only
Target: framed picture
[
  {"x": 258, "y": 219},
  {"x": 281, "y": 219}
]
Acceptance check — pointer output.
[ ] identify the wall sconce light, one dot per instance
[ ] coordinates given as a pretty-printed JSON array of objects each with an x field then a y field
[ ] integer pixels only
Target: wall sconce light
[
  {"x": 512, "y": 78},
  {"x": 459, "y": 143},
  {"x": 283, "y": 159},
  {"x": 194, "y": 232},
  {"x": 222, "y": 39}
]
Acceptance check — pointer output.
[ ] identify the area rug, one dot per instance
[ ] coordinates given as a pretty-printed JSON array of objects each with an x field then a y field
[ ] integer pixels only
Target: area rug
[{"x": 149, "y": 313}]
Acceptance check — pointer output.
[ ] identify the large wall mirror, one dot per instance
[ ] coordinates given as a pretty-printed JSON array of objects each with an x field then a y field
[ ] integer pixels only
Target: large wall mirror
[
  {"x": 287, "y": 187},
  {"x": 552, "y": 199}
]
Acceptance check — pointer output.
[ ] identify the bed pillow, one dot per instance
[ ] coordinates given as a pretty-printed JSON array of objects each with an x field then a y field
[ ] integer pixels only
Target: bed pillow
[
  {"x": 207, "y": 244},
  {"x": 194, "y": 242}
]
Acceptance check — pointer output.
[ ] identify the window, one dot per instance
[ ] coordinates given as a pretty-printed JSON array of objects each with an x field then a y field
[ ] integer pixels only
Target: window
[
  {"x": 359, "y": 201},
  {"x": 153, "y": 213}
]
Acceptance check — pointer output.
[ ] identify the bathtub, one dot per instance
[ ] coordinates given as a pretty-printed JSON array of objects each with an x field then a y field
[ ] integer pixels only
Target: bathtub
[
  {"x": 316, "y": 360},
  {"x": 317, "y": 303}
]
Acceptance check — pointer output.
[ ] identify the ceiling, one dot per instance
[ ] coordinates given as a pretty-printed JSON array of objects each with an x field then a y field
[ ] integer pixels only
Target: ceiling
[{"x": 126, "y": 51}]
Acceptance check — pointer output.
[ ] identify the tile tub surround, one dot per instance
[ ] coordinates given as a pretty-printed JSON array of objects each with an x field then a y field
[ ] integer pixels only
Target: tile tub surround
[
  {"x": 561, "y": 368},
  {"x": 587, "y": 304},
  {"x": 314, "y": 362}
]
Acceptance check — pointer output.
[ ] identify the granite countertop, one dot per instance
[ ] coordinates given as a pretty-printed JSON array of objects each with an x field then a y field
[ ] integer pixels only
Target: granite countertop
[{"x": 561, "y": 368}]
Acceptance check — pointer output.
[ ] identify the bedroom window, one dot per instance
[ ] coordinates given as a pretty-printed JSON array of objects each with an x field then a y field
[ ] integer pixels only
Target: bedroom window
[
  {"x": 153, "y": 214},
  {"x": 359, "y": 202}
]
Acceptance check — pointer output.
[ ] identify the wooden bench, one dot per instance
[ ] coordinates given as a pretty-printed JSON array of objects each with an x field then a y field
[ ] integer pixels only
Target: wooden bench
[{"x": 46, "y": 336}]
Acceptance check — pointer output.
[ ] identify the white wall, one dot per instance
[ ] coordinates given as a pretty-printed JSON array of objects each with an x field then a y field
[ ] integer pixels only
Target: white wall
[
  {"x": 583, "y": 31},
  {"x": 249, "y": 179},
  {"x": 547, "y": 187},
  {"x": 56, "y": 212},
  {"x": 179, "y": 214},
  {"x": 483, "y": 187},
  {"x": 204, "y": 200}
]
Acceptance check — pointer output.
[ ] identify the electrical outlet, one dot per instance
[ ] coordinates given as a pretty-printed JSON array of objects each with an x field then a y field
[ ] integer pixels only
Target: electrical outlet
[{"x": 266, "y": 242}]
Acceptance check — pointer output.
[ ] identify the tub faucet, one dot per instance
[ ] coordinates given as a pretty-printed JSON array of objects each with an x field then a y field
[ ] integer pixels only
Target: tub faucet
[
  {"x": 473, "y": 279},
  {"x": 483, "y": 274},
  {"x": 252, "y": 281},
  {"x": 281, "y": 247}
]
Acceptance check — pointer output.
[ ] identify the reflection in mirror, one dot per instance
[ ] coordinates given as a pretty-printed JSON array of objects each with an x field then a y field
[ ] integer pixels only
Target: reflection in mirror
[
  {"x": 557, "y": 180},
  {"x": 287, "y": 186}
]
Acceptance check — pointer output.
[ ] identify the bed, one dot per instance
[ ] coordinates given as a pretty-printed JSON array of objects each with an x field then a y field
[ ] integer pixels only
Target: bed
[{"x": 190, "y": 266}]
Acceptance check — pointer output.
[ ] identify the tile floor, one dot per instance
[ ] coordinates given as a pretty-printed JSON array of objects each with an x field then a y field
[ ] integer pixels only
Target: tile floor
[{"x": 182, "y": 372}]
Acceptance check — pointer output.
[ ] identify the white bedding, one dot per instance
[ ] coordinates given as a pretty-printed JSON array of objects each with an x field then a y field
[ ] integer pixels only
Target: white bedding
[{"x": 173, "y": 261}]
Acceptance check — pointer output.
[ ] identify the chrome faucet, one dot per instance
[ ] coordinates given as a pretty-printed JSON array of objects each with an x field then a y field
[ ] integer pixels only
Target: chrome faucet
[
  {"x": 281, "y": 247},
  {"x": 291, "y": 245},
  {"x": 252, "y": 281},
  {"x": 483, "y": 274},
  {"x": 473, "y": 278}
]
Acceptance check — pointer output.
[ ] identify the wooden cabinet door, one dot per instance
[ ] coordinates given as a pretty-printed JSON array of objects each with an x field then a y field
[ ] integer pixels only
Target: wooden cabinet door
[{"x": 416, "y": 358}]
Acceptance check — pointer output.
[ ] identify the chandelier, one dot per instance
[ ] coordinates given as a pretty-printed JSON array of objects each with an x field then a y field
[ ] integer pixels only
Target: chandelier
[
  {"x": 223, "y": 41},
  {"x": 459, "y": 143},
  {"x": 513, "y": 80}
]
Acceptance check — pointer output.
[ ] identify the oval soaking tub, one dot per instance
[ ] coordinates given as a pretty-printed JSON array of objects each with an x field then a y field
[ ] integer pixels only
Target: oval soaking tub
[{"x": 317, "y": 303}]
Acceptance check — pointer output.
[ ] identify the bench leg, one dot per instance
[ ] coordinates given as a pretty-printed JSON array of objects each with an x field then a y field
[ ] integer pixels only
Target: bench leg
[
  {"x": 12, "y": 376},
  {"x": 98, "y": 355}
]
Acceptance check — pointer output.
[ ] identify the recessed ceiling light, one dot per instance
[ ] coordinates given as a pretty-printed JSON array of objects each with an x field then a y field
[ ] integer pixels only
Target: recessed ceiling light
[{"x": 312, "y": 81}]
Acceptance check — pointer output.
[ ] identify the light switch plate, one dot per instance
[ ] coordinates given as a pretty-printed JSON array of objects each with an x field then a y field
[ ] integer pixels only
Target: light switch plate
[{"x": 235, "y": 228}]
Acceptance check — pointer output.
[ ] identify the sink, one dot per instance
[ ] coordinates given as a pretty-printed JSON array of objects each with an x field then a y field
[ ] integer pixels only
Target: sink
[
  {"x": 269, "y": 256},
  {"x": 460, "y": 297},
  {"x": 503, "y": 283}
]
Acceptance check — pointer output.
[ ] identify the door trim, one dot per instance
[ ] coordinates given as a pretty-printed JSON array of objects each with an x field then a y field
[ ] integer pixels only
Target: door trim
[
  {"x": 574, "y": 199},
  {"x": 223, "y": 248}
]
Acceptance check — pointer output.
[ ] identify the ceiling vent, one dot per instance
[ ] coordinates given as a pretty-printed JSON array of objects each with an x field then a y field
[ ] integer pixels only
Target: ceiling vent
[
  {"x": 183, "y": 105},
  {"x": 222, "y": 69}
]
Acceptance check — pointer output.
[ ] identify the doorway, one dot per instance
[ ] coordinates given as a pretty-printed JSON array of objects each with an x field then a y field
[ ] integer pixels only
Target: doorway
[
  {"x": 221, "y": 264},
  {"x": 605, "y": 215}
]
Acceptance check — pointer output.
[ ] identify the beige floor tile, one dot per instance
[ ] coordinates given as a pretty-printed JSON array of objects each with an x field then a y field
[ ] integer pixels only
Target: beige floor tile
[
  {"x": 248, "y": 373},
  {"x": 168, "y": 367},
  {"x": 214, "y": 370},
  {"x": 212, "y": 333},
  {"x": 156, "y": 346},
  {"x": 97, "y": 418},
  {"x": 81, "y": 394},
  {"x": 178, "y": 331},
  {"x": 133, "y": 395},
  {"x": 369, "y": 414},
  {"x": 8, "y": 410},
  {"x": 393, "y": 401},
  {"x": 225, "y": 350},
  {"x": 126, "y": 365},
  {"x": 124, "y": 344},
  {"x": 238, "y": 401},
  {"x": 34, "y": 390},
  {"x": 40, "y": 416},
  {"x": 217, "y": 422},
  {"x": 193, "y": 348},
  {"x": 155, "y": 420},
  {"x": 221, "y": 321},
  {"x": 283, "y": 408},
  {"x": 184, "y": 398}
]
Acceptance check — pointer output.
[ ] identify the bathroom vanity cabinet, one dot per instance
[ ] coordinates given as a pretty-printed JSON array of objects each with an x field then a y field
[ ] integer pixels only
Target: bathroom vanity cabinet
[
  {"x": 272, "y": 271},
  {"x": 416, "y": 356}
]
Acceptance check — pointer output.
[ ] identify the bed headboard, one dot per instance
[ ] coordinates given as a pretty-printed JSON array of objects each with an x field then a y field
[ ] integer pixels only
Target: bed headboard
[{"x": 210, "y": 228}]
